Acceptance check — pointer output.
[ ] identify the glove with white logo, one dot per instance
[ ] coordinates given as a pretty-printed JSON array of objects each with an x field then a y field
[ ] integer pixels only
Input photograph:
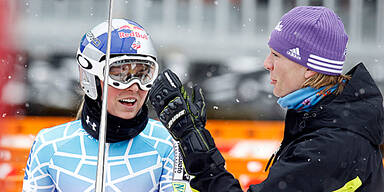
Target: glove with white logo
[{"x": 185, "y": 119}]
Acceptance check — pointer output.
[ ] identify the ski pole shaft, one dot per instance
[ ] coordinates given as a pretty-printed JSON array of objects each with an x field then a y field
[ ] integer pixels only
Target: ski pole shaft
[{"x": 101, "y": 156}]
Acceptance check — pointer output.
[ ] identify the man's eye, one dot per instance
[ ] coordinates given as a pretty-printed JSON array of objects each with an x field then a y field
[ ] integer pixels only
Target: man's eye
[{"x": 274, "y": 54}]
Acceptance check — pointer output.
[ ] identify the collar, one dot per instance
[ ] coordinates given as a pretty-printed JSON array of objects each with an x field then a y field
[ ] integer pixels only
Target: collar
[{"x": 118, "y": 129}]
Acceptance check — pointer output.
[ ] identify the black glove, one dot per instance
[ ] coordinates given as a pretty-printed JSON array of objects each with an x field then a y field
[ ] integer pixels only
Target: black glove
[{"x": 185, "y": 118}]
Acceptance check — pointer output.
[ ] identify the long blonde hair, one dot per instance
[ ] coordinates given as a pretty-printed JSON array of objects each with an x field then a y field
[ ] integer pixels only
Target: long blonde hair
[
  {"x": 80, "y": 109},
  {"x": 319, "y": 80}
]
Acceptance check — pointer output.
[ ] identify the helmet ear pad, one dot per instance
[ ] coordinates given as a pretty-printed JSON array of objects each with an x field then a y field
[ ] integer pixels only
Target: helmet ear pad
[
  {"x": 91, "y": 85},
  {"x": 88, "y": 83}
]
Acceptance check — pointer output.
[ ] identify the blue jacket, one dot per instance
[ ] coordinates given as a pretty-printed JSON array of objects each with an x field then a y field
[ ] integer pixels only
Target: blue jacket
[{"x": 64, "y": 158}]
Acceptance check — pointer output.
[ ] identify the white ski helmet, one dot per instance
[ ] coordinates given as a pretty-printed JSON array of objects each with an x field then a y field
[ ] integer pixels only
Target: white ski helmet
[{"x": 133, "y": 57}]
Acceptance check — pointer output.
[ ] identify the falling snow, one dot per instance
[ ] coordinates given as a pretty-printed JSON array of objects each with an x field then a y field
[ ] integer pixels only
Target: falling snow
[
  {"x": 282, "y": 185},
  {"x": 190, "y": 84}
]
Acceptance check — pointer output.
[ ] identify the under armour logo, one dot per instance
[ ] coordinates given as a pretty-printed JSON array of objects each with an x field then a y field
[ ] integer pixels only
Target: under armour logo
[{"x": 92, "y": 124}]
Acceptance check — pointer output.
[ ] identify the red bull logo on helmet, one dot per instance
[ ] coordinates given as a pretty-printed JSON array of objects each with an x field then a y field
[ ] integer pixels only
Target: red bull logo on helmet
[
  {"x": 133, "y": 34},
  {"x": 136, "y": 45},
  {"x": 135, "y": 31},
  {"x": 130, "y": 27}
]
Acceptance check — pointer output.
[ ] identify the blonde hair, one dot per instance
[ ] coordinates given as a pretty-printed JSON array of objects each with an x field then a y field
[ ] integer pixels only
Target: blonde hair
[
  {"x": 80, "y": 109},
  {"x": 319, "y": 80}
]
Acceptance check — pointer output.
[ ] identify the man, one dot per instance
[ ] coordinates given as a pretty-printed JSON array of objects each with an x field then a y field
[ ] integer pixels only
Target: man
[
  {"x": 334, "y": 123},
  {"x": 139, "y": 150}
]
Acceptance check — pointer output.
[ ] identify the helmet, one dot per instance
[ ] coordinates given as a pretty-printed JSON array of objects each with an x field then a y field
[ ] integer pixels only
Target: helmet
[{"x": 133, "y": 57}]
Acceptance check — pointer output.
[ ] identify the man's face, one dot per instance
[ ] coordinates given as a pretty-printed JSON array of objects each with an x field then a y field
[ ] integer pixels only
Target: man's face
[
  {"x": 125, "y": 103},
  {"x": 286, "y": 75}
]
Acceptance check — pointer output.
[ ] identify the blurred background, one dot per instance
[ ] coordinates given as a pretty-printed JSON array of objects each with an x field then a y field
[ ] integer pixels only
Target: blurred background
[{"x": 218, "y": 44}]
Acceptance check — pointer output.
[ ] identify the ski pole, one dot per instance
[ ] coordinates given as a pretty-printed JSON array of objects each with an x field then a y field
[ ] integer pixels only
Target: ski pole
[{"x": 99, "y": 184}]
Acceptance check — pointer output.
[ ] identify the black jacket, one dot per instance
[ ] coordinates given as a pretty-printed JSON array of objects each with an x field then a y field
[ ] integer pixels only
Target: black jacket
[{"x": 322, "y": 150}]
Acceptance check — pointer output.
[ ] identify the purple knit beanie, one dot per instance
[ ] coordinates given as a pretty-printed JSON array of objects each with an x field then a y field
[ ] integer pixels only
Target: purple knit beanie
[{"x": 313, "y": 37}]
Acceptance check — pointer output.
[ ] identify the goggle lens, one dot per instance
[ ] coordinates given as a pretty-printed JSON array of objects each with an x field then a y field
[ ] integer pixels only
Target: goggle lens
[{"x": 124, "y": 71}]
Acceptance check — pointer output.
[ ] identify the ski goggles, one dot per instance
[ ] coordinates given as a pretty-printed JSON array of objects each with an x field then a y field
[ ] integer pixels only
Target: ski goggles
[{"x": 125, "y": 70}]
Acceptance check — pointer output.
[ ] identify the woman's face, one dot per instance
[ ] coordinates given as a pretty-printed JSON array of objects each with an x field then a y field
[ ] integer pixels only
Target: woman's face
[
  {"x": 286, "y": 75},
  {"x": 125, "y": 103}
]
